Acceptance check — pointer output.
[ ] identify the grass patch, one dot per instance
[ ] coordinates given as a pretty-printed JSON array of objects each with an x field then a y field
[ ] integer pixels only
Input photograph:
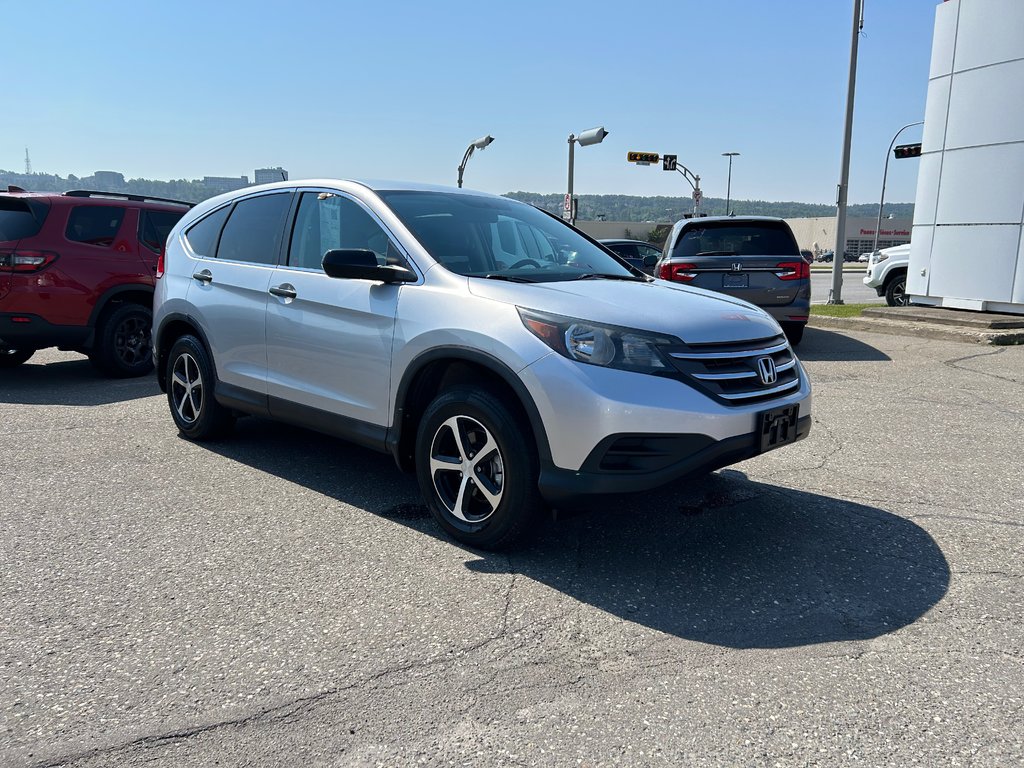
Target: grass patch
[{"x": 840, "y": 310}]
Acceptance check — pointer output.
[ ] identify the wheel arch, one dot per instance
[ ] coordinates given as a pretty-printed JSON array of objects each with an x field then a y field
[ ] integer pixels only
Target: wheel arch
[
  {"x": 174, "y": 326},
  {"x": 434, "y": 371},
  {"x": 894, "y": 273},
  {"x": 134, "y": 293}
]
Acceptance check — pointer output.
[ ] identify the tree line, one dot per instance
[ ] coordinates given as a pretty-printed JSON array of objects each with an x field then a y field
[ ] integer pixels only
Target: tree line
[{"x": 591, "y": 207}]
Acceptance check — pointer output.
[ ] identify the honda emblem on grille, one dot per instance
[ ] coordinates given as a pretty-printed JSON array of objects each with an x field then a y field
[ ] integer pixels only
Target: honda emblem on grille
[
  {"x": 766, "y": 370},
  {"x": 737, "y": 266}
]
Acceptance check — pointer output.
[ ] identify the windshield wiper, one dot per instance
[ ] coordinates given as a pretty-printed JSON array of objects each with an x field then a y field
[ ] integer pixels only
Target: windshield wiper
[
  {"x": 600, "y": 276},
  {"x": 507, "y": 278},
  {"x": 717, "y": 253}
]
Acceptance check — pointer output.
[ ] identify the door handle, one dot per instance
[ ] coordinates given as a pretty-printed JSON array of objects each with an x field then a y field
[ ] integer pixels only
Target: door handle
[
  {"x": 285, "y": 291},
  {"x": 203, "y": 276}
]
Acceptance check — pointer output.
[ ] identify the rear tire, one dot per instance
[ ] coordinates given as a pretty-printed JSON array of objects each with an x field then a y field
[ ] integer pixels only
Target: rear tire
[
  {"x": 794, "y": 332},
  {"x": 477, "y": 467},
  {"x": 896, "y": 292},
  {"x": 124, "y": 346},
  {"x": 12, "y": 358},
  {"x": 190, "y": 395}
]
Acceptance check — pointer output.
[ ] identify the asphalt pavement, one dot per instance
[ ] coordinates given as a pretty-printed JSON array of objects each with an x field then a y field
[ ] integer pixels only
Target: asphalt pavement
[
  {"x": 281, "y": 598},
  {"x": 853, "y": 291}
]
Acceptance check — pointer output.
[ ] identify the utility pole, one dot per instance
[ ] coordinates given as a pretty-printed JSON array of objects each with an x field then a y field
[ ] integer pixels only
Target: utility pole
[
  {"x": 28, "y": 164},
  {"x": 835, "y": 295}
]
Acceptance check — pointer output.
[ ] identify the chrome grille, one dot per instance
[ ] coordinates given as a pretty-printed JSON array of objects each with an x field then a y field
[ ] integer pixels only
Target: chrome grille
[{"x": 730, "y": 372}]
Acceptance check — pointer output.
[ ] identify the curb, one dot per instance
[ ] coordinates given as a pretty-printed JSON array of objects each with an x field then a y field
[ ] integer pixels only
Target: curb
[{"x": 917, "y": 329}]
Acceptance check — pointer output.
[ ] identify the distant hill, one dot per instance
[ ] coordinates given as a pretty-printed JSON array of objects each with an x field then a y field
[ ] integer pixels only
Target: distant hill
[
  {"x": 635, "y": 208},
  {"x": 591, "y": 207}
]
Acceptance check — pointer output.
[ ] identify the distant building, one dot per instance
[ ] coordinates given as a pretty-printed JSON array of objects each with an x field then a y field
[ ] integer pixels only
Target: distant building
[
  {"x": 221, "y": 184},
  {"x": 820, "y": 231},
  {"x": 268, "y": 175},
  {"x": 108, "y": 179}
]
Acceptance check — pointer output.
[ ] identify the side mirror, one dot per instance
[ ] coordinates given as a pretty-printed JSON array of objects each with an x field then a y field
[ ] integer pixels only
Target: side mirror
[
  {"x": 650, "y": 260},
  {"x": 361, "y": 264}
]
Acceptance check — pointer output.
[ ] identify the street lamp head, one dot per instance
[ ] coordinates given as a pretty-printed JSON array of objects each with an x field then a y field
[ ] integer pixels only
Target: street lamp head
[
  {"x": 730, "y": 154},
  {"x": 483, "y": 142},
  {"x": 593, "y": 136}
]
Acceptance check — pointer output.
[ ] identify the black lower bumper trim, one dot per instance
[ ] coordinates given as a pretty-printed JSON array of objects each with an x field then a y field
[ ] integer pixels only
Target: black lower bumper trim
[
  {"x": 38, "y": 333},
  {"x": 564, "y": 487}
]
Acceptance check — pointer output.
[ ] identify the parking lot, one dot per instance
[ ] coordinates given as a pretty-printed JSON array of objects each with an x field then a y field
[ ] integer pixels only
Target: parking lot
[{"x": 282, "y": 597}]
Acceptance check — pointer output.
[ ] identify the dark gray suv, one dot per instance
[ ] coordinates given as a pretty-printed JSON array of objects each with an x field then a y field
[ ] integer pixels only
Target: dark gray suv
[{"x": 754, "y": 258}]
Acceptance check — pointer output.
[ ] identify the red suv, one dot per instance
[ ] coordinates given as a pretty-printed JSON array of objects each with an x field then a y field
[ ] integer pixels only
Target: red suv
[{"x": 77, "y": 272}]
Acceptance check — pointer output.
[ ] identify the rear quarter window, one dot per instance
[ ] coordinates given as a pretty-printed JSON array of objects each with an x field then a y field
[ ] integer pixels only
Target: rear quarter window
[
  {"x": 21, "y": 218},
  {"x": 763, "y": 238},
  {"x": 202, "y": 236}
]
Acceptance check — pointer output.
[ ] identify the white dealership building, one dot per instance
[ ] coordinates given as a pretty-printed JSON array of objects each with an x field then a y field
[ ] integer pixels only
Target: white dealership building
[{"x": 967, "y": 250}]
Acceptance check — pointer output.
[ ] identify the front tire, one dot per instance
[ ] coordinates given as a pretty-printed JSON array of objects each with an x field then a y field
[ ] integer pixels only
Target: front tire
[
  {"x": 12, "y": 358},
  {"x": 896, "y": 292},
  {"x": 190, "y": 382},
  {"x": 124, "y": 346},
  {"x": 477, "y": 467}
]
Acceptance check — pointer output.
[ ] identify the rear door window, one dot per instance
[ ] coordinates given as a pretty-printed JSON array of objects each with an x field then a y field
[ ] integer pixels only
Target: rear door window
[
  {"x": 21, "y": 218},
  {"x": 254, "y": 229},
  {"x": 94, "y": 224},
  {"x": 155, "y": 226}
]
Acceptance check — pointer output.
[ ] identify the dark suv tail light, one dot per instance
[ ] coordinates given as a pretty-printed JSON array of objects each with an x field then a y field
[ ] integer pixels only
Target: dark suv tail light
[
  {"x": 680, "y": 273},
  {"x": 26, "y": 261},
  {"x": 793, "y": 270}
]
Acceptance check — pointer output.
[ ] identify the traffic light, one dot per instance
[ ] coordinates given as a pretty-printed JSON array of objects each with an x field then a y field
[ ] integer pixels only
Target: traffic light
[
  {"x": 907, "y": 150},
  {"x": 668, "y": 163},
  {"x": 642, "y": 157}
]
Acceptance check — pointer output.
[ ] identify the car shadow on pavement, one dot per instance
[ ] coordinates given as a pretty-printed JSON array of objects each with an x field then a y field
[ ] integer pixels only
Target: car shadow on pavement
[
  {"x": 819, "y": 344},
  {"x": 719, "y": 559},
  {"x": 70, "y": 382}
]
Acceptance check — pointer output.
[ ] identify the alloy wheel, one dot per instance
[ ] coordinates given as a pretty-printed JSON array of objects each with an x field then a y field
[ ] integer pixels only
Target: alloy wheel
[
  {"x": 187, "y": 388},
  {"x": 467, "y": 469},
  {"x": 132, "y": 341}
]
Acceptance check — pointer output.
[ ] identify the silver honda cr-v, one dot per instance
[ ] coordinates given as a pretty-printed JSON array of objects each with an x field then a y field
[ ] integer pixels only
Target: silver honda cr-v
[{"x": 505, "y": 357}]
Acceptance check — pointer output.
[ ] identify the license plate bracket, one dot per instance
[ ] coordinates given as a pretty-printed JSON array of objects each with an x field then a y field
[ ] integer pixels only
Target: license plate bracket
[
  {"x": 735, "y": 281},
  {"x": 778, "y": 427}
]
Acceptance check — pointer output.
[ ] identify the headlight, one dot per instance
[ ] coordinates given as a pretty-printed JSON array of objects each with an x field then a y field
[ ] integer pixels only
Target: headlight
[
  {"x": 595, "y": 344},
  {"x": 879, "y": 258}
]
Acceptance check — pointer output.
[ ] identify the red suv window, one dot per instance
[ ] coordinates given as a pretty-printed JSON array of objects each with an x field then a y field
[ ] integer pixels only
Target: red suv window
[
  {"x": 21, "y": 218},
  {"x": 94, "y": 224}
]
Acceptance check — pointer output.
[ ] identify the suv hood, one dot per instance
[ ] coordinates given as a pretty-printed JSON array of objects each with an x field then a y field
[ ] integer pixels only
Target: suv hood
[{"x": 691, "y": 314}]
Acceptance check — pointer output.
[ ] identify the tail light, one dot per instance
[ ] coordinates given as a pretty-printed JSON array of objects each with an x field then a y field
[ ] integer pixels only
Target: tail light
[
  {"x": 26, "y": 261},
  {"x": 679, "y": 273},
  {"x": 793, "y": 270},
  {"x": 160, "y": 265}
]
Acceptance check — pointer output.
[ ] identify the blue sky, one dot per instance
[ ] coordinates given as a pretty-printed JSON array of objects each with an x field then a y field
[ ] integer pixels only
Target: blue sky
[{"x": 398, "y": 90}]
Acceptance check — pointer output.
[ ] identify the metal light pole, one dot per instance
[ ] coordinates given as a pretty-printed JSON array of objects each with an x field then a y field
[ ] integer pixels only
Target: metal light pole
[
  {"x": 835, "y": 295},
  {"x": 585, "y": 139},
  {"x": 885, "y": 173},
  {"x": 728, "y": 188},
  {"x": 482, "y": 143}
]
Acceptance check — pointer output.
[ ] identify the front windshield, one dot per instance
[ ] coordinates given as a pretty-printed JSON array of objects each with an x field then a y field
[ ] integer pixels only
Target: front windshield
[{"x": 500, "y": 239}]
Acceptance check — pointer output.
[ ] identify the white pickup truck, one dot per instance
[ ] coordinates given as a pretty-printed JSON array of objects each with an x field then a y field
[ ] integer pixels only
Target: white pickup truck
[{"x": 887, "y": 274}]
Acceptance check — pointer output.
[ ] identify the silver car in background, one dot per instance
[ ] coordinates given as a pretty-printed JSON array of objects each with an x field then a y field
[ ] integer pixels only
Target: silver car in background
[{"x": 503, "y": 356}]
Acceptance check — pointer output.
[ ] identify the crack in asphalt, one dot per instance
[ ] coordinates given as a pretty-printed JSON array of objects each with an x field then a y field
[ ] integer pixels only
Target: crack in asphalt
[
  {"x": 290, "y": 711},
  {"x": 953, "y": 364}
]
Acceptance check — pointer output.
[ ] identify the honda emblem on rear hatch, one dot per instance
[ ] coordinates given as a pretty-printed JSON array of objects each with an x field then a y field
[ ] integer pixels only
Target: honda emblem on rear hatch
[
  {"x": 766, "y": 370},
  {"x": 737, "y": 266}
]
